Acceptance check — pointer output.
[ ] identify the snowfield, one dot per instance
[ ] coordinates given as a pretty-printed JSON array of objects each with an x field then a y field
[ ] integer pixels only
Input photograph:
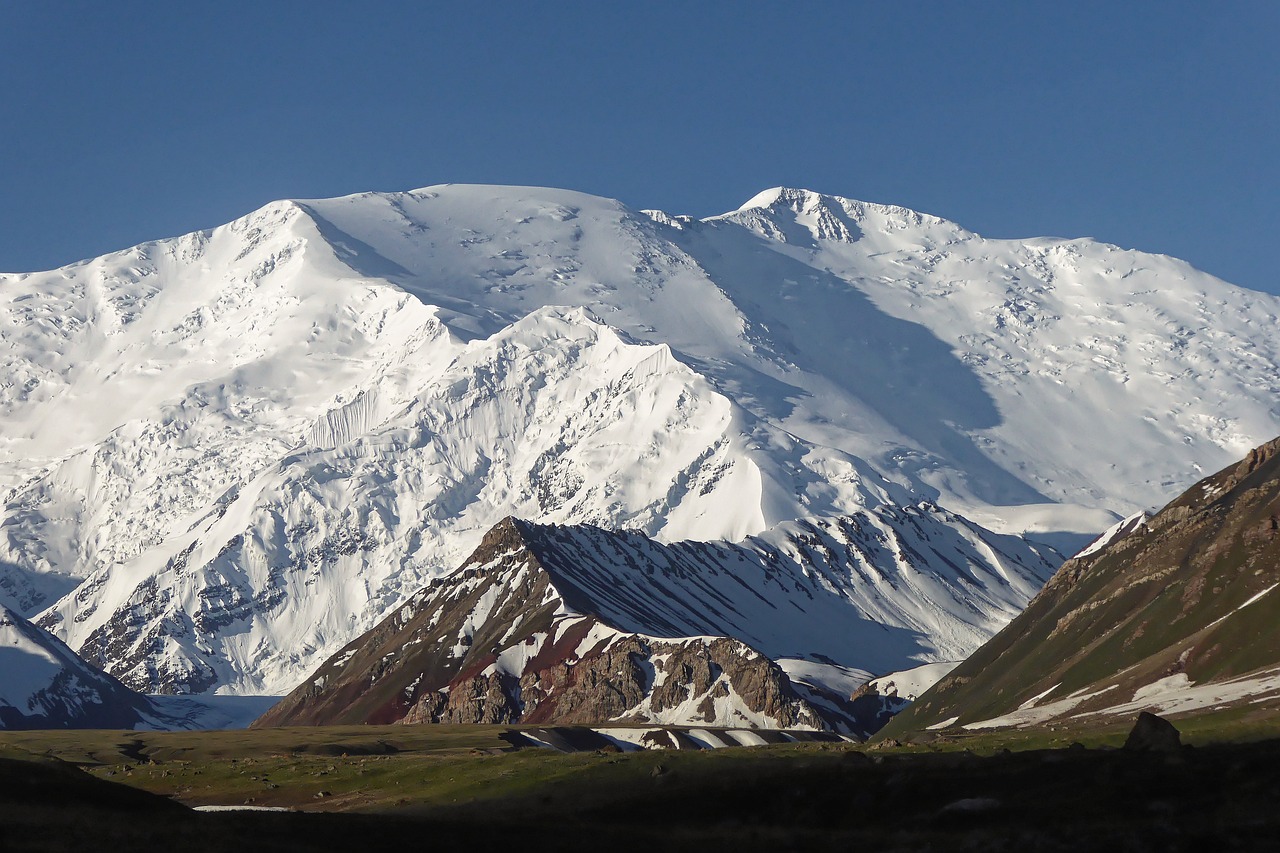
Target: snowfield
[
  {"x": 225, "y": 455},
  {"x": 44, "y": 685}
]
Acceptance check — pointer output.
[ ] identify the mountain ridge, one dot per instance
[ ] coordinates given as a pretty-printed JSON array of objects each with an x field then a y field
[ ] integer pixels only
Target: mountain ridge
[
  {"x": 46, "y": 686},
  {"x": 1174, "y": 616},
  {"x": 568, "y": 625},
  {"x": 299, "y": 406}
]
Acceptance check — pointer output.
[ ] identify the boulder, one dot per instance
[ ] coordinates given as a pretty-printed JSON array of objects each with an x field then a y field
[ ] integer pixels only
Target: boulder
[{"x": 1153, "y": 734}]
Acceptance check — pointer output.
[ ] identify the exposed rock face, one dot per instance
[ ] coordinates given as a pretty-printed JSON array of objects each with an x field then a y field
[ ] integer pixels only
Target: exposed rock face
[
  {"x": 507, "y": 639},
  {"x": 1176, "y": 616},
  {"x": 613, "y": 684},
  {"x": 884, "y": 697},
  {"x": 876, "y": 709}
]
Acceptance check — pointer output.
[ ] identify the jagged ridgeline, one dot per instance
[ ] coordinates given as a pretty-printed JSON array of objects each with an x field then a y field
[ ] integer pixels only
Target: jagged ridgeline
[
  {"x": 548, "y": 624},
  {"x": 1181, "y": 615},
  {"x": 226, "y": 455}
]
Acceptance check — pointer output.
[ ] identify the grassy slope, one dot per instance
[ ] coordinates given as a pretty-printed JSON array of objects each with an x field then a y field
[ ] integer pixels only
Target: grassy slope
[{"x": 1138, "y": 610}]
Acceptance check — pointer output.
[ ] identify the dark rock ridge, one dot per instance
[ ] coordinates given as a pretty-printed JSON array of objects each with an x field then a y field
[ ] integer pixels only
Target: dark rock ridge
[
  {"x": 1189, "y": 598},
  {"x": 533, "y": 628}
]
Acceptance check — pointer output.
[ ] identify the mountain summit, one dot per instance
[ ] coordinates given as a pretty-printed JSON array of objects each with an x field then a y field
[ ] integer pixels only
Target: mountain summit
[{"x": 228, "y": 454}]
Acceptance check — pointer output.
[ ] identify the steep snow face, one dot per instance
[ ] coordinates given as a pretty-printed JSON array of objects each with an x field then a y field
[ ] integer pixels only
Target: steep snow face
[
  {"x": 232, "y": 451},
  {"x": 875, "y": 591},
  {"x": 1109, "y": 377},
  {"x": 1114, "y": 533},
  {"x": 46, "y": 686},
  {"x": 555, "y": 416},
  {"x": 144, "y": 387}
]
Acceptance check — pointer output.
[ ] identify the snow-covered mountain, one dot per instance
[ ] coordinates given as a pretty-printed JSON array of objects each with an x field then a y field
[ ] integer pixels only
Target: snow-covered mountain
[
  {"x": 578, "y": 624},
  {"x": 43, "y": 685},
  {"x": 228, "y": 454}
]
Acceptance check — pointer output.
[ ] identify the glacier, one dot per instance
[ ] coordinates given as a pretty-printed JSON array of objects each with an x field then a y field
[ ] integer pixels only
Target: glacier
[{"x": 225, "y": 455}]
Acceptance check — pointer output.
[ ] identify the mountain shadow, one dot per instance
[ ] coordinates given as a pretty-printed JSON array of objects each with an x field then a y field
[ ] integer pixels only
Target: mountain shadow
[{"x": 897, "y": 368}]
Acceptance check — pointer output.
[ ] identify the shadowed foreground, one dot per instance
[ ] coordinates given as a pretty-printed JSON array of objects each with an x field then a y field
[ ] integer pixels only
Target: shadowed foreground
[{"x": 769, "y": 798}]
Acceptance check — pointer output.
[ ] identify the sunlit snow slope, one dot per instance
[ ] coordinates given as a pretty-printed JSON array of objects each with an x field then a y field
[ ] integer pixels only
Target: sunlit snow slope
[{"x": 227, "y": 454}]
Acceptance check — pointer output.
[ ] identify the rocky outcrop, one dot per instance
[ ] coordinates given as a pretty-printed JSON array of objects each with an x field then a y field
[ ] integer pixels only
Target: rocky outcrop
[
  {"x": 500, "y": 641},
  {"x": 874, "y": 708},
  {"x": 1152, "y": 733},
  {"x": 631, "y": 679}
]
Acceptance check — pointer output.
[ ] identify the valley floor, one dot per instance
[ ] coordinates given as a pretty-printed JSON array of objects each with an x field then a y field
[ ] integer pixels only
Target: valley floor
[{"x": 402, "y": 785}]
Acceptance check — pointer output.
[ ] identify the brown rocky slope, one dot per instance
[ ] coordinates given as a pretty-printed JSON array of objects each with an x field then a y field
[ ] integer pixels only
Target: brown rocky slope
[
  {"x": 1179, "y": 616},
  {"x": 498, "y": 641}
]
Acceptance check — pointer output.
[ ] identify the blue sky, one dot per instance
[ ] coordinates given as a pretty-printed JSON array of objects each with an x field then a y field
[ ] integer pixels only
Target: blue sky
[{"x": 1153, "y": 125}]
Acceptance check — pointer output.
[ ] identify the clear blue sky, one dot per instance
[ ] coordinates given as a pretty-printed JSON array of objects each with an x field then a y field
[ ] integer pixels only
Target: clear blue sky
[{"x": 1154, "y": 125}]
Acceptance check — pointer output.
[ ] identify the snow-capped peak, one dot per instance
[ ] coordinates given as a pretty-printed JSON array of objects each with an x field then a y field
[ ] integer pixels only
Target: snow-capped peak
[
  {"x": 770, "y": 197},
  {"x": 835, "y": 218},
  {"x": 227, "y": 453},
  {"x": 1115, "y": 532}
]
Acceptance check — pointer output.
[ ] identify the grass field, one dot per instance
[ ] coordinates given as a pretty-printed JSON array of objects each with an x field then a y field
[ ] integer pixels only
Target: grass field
[
  {"x": 448, "y": 770},
  {"x": 466, "y": 784}
]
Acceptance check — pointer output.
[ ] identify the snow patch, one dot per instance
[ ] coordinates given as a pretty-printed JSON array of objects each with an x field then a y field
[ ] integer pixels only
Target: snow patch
[
  {"x": 910, "y": 684},
  {"x": 1037, "y": 714}
]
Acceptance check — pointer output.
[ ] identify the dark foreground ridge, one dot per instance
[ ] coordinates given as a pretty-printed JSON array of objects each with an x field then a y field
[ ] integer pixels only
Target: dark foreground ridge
[{"x": 812, "y": 796}]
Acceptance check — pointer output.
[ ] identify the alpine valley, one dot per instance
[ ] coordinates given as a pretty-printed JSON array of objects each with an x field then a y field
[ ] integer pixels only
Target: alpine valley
[{"x": 467, "y": 438}]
